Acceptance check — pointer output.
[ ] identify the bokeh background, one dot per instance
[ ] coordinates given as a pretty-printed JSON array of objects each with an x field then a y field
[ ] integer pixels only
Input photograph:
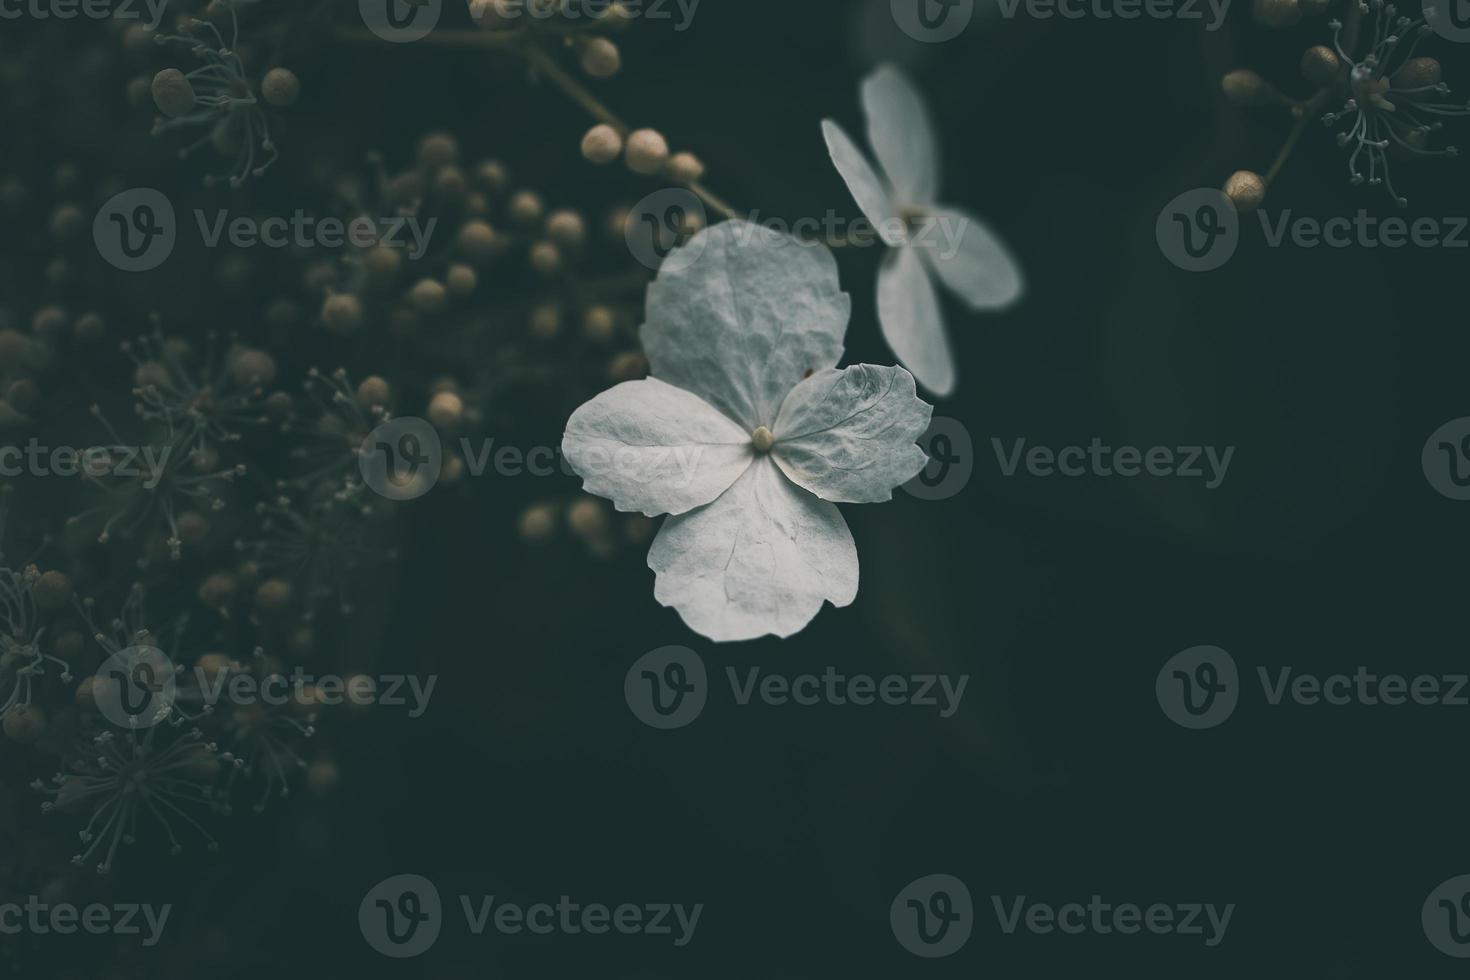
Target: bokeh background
[{"x": 1059, "y": 778}]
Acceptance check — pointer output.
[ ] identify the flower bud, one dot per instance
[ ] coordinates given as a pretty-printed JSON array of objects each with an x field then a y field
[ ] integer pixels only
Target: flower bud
[
  {"x": 25, "y": 723},
  {"x": 173, "y": 93},
  {"x": 600, "y": 58},
  {"x": 546, "y": 258},
  {"x": 1246, "y": 190},
  {"x": 1276, "y": 14},
  {"x": 602, "y": 144},
  {"x": 374, "y": 392},
  {"x": 566, "y": 228},
  {"x": 437, "y": 150},
  {"x": 461, "y": 280},
  {"x": 429, "y": 296},
  {"x": 1417, "y": 73},
  {"x": 446, "y": 410},
  {"x": 280, "y": 87},
  {"x": 686, "y": 168},
  {"x": 647, "y": 152},
  {"x": 342, "y": 313},
  {"x": 1245, "y": 87},
  {"x": 52, "y": 591},
  {"x": 1320, "y": 65},
  {"x": 598, "y": 324},
  {"x": 477, "y": 241},
  {"x": 526, "y": 208}
]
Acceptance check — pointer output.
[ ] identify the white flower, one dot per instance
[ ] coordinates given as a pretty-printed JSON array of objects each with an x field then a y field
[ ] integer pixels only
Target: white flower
[
  {"x": 747, "y": 433},
  {"x": 928, "y": 239}
]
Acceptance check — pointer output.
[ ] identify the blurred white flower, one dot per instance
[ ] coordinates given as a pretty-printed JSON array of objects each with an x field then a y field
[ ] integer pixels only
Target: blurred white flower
[
  {"x": 927, "y": 239},
  {"x": 747, "y": 434}
]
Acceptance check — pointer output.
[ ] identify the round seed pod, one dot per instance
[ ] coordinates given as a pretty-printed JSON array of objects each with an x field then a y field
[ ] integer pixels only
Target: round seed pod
[
  {"x": 1246, "y": 190},
  {"x": 429, "y": 296},
  {"x": 342, "y": 313},
  {"x": 1276, "y": 14},
  {"x": 172, "y": 93},
  {"x": 602, "y": 144},
  {"x": 1320, "y": 65},
  {"x": 647, "y": 152},
  {"x": 601, "y": 58},
  {"x": 686, "y": 168},
  {"x": 52, "y": 591},
  {"x": 566, "y": 228},
  {"x": 1245, "y": 87},
  {"x": 461, "y": 280},
  {"x": 374, "y": 392},
  {"x": 280, "y": 87}
]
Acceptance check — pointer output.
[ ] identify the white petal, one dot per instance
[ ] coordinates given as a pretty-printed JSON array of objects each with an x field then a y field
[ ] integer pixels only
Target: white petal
[
  {"x": 650, "y": 447},
  {"x": 760, "y": 559},
  {"x": 866, "y": 186},
  {"x": 971, "y": 260},
  {"x": 908, "y": 310},
  {"x": 747, "y": 319},
  {"x": 850, "y": 436},
  {"x": 902, "y": 135}
]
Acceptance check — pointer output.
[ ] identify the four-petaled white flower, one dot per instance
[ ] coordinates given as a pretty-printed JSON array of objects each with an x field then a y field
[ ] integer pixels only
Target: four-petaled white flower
[
  {"x": 747, "y": 434},
  {"x": 927, "y": 238}
]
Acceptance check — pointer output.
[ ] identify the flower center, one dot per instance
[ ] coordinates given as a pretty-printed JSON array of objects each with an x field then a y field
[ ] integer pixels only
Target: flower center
[
  {"x": 914, "y": 218},
  {"x": 762, "y": 439}
]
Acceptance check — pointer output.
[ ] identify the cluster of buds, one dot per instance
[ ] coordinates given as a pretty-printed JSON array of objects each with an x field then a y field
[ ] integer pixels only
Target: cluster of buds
[
  {"x": 220, "y": 96},
  {"x": 1391, "y": 98},
  {"x": 588, "y": 521}
]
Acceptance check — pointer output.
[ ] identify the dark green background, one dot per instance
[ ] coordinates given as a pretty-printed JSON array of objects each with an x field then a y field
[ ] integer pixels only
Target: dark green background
[{"x": 1059, "y": 777}]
